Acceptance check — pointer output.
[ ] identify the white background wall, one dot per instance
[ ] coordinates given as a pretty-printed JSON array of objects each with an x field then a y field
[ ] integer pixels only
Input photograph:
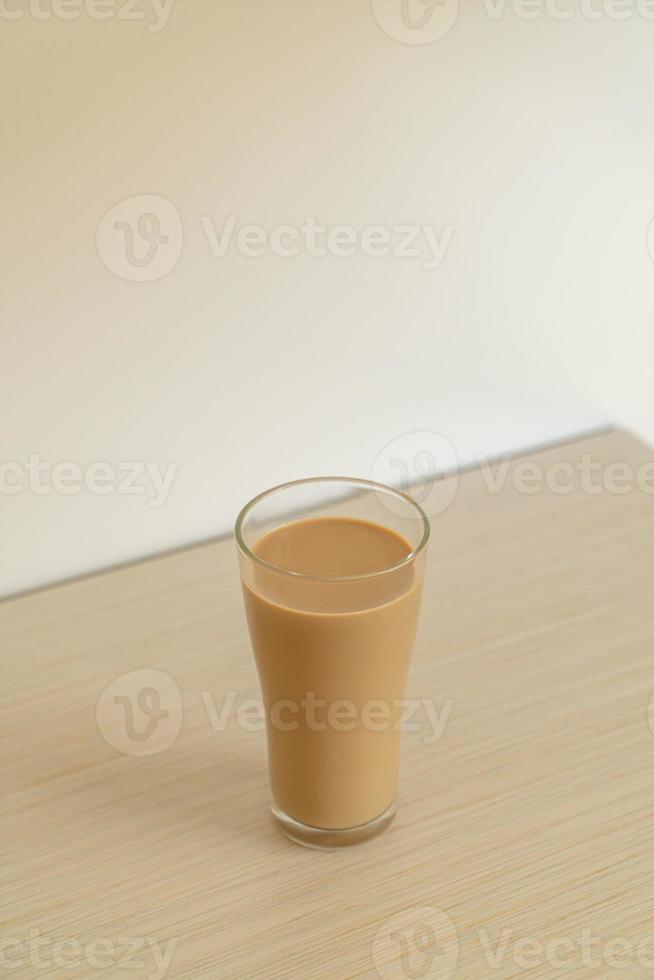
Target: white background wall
[{"x": 532, "y": 138}]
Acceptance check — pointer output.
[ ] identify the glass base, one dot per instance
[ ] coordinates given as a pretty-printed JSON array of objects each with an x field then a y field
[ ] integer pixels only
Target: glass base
[{"x": 324, "y": 838}]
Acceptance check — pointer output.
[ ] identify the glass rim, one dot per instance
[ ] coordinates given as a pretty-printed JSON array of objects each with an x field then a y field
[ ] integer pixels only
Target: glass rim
[{"x": 333, "y": 579}]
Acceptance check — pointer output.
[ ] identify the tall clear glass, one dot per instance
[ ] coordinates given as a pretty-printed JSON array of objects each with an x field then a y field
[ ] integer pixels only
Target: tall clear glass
[{"x": 332, "y": 649}]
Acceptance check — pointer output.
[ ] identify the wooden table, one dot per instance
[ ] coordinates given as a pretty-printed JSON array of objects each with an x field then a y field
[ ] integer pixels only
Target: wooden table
[{"x": 524, "y": 842}]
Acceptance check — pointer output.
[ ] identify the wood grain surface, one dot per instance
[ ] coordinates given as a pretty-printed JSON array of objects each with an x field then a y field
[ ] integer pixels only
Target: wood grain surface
[{"x": 524, "y": 842}]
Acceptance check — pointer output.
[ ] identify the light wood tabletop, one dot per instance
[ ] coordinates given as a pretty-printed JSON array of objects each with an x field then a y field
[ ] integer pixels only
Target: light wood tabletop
[{"x": 135, "y": 814}]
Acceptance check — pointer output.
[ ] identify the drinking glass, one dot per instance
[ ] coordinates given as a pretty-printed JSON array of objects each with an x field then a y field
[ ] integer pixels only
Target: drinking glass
[{"x": 333, "y": 654}]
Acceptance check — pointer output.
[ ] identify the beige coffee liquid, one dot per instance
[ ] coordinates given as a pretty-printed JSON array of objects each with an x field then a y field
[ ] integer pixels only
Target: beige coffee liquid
[{"x": 331, "y": 679}]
